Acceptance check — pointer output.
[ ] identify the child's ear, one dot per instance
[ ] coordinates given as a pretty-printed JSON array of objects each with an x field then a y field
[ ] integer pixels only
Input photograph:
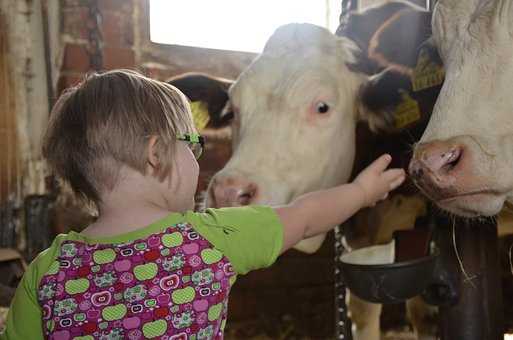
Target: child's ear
[{"x": 152, "y": 155}]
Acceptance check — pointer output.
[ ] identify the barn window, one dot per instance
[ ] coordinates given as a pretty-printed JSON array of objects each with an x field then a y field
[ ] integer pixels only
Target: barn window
[{"x": 233, "y": 24}]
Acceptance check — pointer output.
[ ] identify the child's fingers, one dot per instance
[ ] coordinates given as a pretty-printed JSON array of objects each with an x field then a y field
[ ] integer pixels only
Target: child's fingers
[
  {"x": 395, "y": 184},
  {"x": 394, "y": 177},
  {"x": 381, "y": 163},
  {"x": 393, "y": 174},
  {"x": 397, "y": 181}
]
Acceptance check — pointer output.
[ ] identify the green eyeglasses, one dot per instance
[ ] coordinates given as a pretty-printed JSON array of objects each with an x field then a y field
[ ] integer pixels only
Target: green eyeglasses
[{"x": 195, "y": 142}]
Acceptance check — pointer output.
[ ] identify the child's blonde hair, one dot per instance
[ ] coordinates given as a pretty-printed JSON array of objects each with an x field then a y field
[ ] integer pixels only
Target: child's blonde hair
[{"x": 106, "y": 121}]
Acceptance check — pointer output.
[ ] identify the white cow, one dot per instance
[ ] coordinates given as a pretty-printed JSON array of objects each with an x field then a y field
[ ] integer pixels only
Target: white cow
[
  {"x": 298, "y": 101},
  {"x": 295, "y": 111},
  {"x": 296, "y": 108},
  {"x": 464, "y": 160}
]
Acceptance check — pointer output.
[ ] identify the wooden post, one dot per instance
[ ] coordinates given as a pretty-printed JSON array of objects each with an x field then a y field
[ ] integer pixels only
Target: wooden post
[{"x": 478, "y": 314}]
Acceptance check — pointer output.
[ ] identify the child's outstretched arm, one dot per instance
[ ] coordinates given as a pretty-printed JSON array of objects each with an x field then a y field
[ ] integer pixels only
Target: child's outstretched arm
[{"x": 318, "y": 212}]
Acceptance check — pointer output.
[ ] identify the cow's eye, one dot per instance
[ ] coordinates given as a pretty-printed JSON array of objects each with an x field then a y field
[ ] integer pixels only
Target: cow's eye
[{"x": 322, "y": 107}]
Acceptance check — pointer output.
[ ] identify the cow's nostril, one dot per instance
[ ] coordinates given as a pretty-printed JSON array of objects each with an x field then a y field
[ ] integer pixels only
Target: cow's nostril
[
  {"x": 245, "y": 198},
  {"x": 231, "y": 192},
  {"x": 451, "y": 159},
  {"x": 415, "y": 169},
  {"x": 418, "y": 173}
]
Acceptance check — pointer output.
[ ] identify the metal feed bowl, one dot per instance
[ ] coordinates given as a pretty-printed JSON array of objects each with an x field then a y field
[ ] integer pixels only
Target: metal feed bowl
[{"x": 371, "y": 274}]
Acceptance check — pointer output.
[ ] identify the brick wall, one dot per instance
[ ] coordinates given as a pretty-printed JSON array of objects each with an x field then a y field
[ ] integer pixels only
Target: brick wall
[{"x": 125, "y": 43}]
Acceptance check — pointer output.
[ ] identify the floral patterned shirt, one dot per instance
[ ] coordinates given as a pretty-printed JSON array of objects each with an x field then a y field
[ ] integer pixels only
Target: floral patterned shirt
[{"x": 169, "y": 280}]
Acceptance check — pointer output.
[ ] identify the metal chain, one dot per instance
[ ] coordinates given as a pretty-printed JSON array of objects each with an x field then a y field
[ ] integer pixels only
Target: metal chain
[
  {"x": 342, "y": 326},
  {"x": 95, "y": 45}
]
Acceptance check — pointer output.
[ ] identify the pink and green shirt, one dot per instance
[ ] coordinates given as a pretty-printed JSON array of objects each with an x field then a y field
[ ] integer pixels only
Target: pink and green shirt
[{"x": 169, "y": 280}]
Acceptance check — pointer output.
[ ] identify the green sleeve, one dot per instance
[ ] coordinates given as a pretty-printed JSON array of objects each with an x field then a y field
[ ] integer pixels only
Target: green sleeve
[
  {"x": 251, "y": 237},
  {"x": 24, "y": 320}
]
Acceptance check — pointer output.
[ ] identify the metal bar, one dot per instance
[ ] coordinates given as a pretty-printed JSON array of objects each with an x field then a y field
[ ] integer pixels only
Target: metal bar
[
  {"x": 478, "y": 314},
  {"x": 348, "y": 5},
  {"x": 431, "y": 4}
]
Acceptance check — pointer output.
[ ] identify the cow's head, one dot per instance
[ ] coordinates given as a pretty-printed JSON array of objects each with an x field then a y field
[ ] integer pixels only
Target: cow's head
[
  {"x": 464, "y": 159},
  {"x": 294, "y": 113},
  {"x": 294, "y": 122}
]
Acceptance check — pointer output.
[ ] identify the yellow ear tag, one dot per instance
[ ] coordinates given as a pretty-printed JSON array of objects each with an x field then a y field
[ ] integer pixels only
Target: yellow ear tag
[
  {"x": 427, "y": 73},
  {"x": 200, "y": 115},
  {"x": 407, "y": 111}
]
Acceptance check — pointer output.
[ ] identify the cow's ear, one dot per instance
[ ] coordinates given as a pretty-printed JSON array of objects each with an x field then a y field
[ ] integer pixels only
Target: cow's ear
[
  {"x": 380, "y": 97},
  {"x": 387, "y": 35},
  {"x": 208, "y": 96}
]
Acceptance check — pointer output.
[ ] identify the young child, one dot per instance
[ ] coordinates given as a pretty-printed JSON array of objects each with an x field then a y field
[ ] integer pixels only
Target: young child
[{"x": 149, "y": 266}]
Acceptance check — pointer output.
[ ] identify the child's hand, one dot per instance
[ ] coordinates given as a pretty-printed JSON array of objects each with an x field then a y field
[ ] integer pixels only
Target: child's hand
[{"x": 376, "y": 182}]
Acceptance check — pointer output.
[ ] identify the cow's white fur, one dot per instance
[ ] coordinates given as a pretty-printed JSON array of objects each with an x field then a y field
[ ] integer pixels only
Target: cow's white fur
[
  {"x": 301, "y": 64},
  {"x": 475, "y": 105}
]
